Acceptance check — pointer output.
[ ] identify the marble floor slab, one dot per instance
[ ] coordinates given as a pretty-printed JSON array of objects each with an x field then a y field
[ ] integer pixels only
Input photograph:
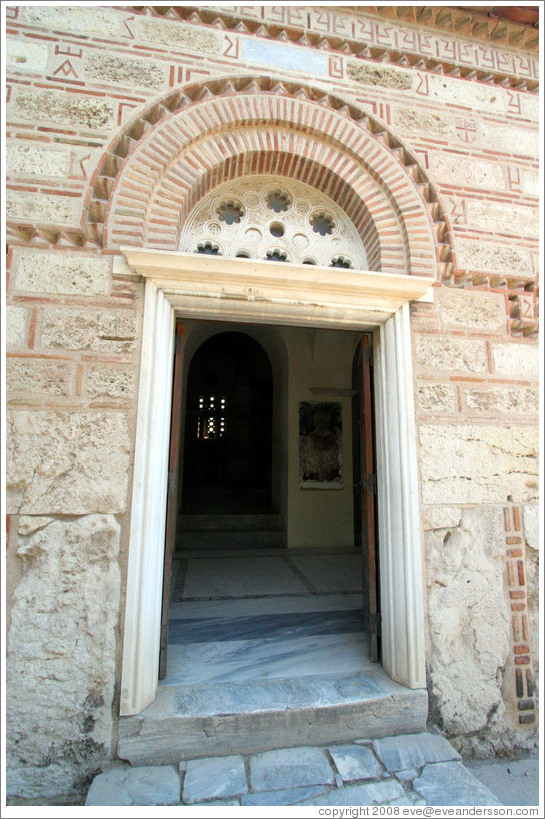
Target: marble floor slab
[
  {"x": 237, "y": 577},
  {"x": 265, "y": 626},
  {"x": 258, "y": 617},
  {"x": 266, "y": 604},
  {"x": 232, "y": 660},
  {"x": 331, "y": 572}
]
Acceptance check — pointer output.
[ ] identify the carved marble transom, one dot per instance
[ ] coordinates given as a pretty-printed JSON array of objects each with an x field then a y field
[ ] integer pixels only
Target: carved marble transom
[{"x": 276, "y": 219}]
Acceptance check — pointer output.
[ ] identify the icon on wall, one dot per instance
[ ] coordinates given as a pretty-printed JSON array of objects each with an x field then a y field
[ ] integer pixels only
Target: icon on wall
[{"x": 320, "y": 445}]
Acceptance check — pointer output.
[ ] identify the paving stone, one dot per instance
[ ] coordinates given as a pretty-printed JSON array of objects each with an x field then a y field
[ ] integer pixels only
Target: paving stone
[
  {"x": 413, "y": 751},
  {"x": 219, "y": 803},
  {"x": 449, "y": 783},
  {"x": 290, "y": 768},
  {"x": 408, "y": 775},
  {"x": 372, "y": 793},
  {"x": 146, "y": 785},
  {"x": 214, "y": 778},
  {"x": 355, "y": 762},
  {"x": 285, "y": 797}
]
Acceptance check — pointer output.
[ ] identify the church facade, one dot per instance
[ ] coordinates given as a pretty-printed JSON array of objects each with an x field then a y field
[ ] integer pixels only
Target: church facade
[{"x": 353, "y": 190}]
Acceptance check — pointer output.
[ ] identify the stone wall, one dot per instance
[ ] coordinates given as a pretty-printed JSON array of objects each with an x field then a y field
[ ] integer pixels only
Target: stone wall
[
  {"x": 458, "y": 111},
  {"x": 477, "y": 404}
]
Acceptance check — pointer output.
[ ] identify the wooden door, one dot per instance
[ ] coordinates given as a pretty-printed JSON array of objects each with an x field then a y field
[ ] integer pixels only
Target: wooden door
[
  {"x": 172, "y": 495},
  {"x": 365, "y": 487}
]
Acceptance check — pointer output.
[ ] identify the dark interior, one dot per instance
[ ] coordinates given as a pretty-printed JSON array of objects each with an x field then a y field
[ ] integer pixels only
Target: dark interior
[{"x": 228, "y": 428}]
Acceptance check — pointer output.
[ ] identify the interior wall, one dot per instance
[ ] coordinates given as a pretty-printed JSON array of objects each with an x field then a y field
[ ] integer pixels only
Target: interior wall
[
  {"x": 308, "y": 365},
  {"x": 320, "y": 369}
]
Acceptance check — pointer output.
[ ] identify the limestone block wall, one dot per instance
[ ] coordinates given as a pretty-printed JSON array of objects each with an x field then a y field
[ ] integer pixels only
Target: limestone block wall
[
  {"x": 477, "y": 402},
  {"x": 453, "y": 107}
]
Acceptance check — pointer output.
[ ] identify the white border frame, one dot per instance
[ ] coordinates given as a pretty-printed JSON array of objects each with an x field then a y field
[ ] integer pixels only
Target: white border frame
[{"x": 244, "y": 290}]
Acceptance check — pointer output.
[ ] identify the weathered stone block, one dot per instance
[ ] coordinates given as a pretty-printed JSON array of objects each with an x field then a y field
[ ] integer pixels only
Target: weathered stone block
[
  {"x": 437, "y": 399},
  {"x": 492, "y": 258},
  {"x": 38, "y": 207},
  {"x": 415, "y": 121},
  {"x": 109, "y": 331},
  {"x": 33, "y": 160},
  {"x": 449, "y": 783},
  {"x": 44, "y": 271},
  {"x": 290, "y": 768},
  {"x": 472, "y": 463},
  {"x": 441, "y": 517},
  {"x": 145, "y": 785},
  {"x": 16, "y": 322},
  {"x": 516, "y": 359},
  {"x": 469, "y": 620},
  {"x": 214, "y": 777},
  {"x": 526, "y": 140},
  {"x": 33, "y": 377},
  {"x": 398, "y": 753},
  {"x": 178, "y": 34},
  {"x": 78, "y": 19},
  {"x": 530, "y": 519},
  {"x": 285, "y": 797},
  {"x": 477, "y": 96},
  {"x": 26, "y": 55},
  {"x": 498, "y": 217},
  {"x": 63, "y": 626},
  {"x": 439, "y": 353},
  {"x": 460, "y": 169},
  {"x": 529, "y": 182},
  {"x": 67, "y": 463},
  {"x": 105, "y": 381},
  {"x": 502, "y": 401},
  {"x": 355, "y": 762},
  {"x": 63, "y": 109},
  {"x": 484, "y": 312},
  {"x": 135, "y": 73},
  {"x": 371, "y": 793},
  {"x": 381, "y": 75}
]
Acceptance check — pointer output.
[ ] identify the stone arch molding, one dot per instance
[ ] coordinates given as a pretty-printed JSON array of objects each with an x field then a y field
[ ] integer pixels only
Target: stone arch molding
[{"x": 180, "y": 149}]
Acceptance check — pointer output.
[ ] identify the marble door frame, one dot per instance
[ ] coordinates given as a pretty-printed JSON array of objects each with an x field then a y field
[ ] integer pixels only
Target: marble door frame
[{"x": 243, "y": 290}]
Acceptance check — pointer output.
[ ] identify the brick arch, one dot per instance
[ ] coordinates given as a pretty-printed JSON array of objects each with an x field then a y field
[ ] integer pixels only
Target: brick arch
[{"x": 161, "y": 165}]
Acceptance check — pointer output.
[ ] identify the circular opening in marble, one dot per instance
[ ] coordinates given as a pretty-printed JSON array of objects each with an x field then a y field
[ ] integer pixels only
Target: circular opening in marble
[{"x": 277, "y": 229}]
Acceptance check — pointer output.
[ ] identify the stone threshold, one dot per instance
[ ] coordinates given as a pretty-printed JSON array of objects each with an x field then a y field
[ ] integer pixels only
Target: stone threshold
[{"x": 247, "y": 717}]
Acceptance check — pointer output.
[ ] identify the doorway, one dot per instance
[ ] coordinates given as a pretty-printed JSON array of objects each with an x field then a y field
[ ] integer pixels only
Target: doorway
[
  {"x": 227, "y": 443},
  {"x": 403, "y": 656},
  {"x": 244, "y": 607}
]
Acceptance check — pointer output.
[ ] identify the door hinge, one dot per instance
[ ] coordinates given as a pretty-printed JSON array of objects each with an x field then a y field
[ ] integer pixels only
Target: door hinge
[
  {"x": 375, "y": 623},
  {"x": 371, "y": 483},
  {"x": 367, "y": 484},
  {"x": 171, "y": 479}
]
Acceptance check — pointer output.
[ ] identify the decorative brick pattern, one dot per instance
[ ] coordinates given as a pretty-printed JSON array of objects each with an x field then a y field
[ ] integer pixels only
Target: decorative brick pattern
[
  {"x": 516, "y": 582},
  {"x": 394, "y": 41},
  {"x": 384, "y": 190}
]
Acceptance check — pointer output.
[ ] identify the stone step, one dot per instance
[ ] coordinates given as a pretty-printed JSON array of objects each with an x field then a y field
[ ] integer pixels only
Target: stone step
[
  {"x": 229, "y": 523},
  {"x": 247, "y": 717},
  {"x": 236, "y": 539},
  {"x": 412, "y": 770}
]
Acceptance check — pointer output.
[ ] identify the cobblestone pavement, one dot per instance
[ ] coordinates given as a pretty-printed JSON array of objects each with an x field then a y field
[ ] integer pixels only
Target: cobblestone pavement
[{"x": 411, "y": 770}]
